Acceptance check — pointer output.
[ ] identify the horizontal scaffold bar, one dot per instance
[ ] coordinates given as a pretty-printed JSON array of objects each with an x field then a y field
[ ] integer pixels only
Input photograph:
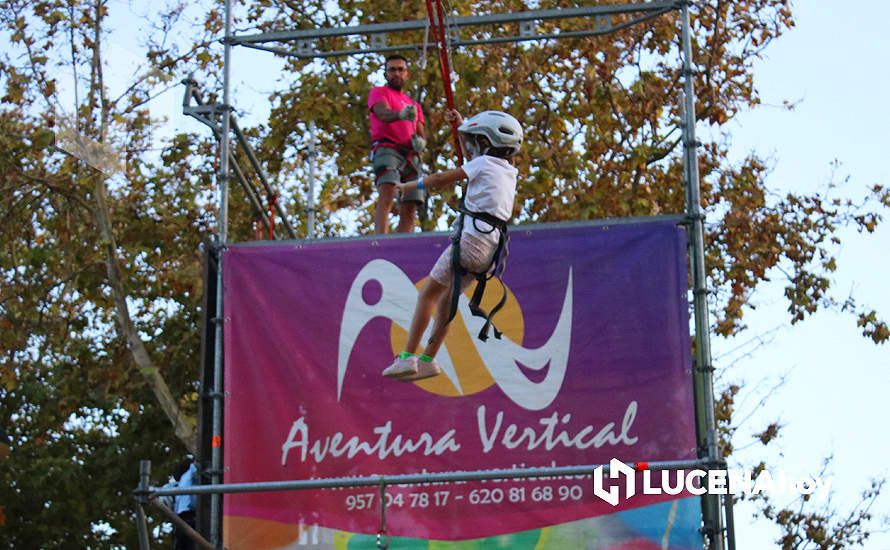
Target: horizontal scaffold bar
[
  {"x": 462, "y": 21},
  {"x": 417, "y": 479}
]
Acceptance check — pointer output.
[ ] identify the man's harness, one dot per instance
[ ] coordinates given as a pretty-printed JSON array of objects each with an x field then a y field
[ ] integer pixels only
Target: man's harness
[
  {"x": 411, "y": 156},
  {"x": 496, "y": 267}
]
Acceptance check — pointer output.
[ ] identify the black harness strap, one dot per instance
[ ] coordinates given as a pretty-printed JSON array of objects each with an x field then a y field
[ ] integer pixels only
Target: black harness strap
[{"x": 498, "y": 261}]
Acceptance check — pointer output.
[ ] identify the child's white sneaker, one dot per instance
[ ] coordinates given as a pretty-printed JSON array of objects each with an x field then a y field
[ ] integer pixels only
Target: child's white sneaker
[
  {"x": 424, "y": 370},
  {"x": 401, "y": 367}
]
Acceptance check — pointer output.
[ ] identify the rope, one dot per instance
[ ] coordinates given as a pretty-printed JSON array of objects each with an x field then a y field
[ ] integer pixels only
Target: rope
[
  {"x": 445, "y": 68},
  {"x": 418, "y": 166},
  {"x": 426, "y": 43}
]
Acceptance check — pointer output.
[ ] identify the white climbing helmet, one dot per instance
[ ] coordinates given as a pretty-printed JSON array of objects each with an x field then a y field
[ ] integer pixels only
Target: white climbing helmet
[{"x": 501, "y": 129}]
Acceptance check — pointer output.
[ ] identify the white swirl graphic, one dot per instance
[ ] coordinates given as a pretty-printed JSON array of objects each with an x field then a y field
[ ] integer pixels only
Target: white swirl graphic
[{"x": 501, "y": 357}]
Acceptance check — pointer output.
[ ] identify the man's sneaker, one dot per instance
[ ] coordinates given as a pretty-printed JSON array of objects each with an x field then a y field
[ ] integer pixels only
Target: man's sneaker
[
  {"x": 424, "y": 370},
  {"x": 401, "y": 367}
]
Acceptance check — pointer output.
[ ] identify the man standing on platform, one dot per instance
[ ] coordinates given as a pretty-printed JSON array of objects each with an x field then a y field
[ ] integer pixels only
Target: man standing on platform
[{"x": 397, "y": 140}]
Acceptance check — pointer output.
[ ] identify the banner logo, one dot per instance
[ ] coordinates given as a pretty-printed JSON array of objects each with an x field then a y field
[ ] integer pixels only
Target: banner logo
[{"x": 381, "y": 289}]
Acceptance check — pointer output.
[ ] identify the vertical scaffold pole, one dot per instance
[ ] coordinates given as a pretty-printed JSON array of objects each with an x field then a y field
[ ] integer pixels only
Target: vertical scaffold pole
[
  {"x": 141, "y": 521},
  {"x": 310, "y": 199},
  {"x": 223, "y": 179},
  {"x": 706, "y": 426}
]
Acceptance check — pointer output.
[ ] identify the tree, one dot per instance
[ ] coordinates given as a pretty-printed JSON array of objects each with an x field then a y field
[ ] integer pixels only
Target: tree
[
  {"x": 101, "y": 274},
  {"x": 101, "y": 269}
]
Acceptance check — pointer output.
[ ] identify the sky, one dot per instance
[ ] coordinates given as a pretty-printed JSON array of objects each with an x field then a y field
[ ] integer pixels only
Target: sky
[
  {"x": 834, "y": 64},
  {"x": 833, "y": 402}
]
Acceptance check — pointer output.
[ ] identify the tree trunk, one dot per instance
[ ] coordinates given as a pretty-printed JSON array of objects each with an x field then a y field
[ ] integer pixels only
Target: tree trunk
[{"x": 183, "y": 426}]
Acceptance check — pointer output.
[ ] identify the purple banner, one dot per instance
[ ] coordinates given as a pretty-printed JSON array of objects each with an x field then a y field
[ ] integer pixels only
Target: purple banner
[{"x": 594, "y": 364}]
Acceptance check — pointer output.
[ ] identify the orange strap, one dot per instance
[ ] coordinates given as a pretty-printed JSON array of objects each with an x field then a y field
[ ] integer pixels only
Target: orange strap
[{"x": 273, "y": 200}]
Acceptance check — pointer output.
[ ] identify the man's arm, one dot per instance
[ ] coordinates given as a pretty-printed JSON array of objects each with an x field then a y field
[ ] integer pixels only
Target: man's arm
[{"x": 385, "y": 114}]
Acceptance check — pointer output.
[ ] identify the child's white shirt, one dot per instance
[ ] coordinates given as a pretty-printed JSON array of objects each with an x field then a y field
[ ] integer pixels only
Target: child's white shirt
[{"x": 491, "y": 189}]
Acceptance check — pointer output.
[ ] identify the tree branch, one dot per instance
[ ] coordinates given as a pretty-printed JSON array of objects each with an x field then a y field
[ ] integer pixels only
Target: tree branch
[{"x": 183, "y": 427}]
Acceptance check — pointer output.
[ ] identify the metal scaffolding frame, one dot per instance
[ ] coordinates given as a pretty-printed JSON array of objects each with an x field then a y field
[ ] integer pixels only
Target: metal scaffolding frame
[
  {"x": 193, "y": 105},
  {"x": 146, "y": 493},
  {"x": 307, "y": 47},
  {"x": 718, "y": 531}
]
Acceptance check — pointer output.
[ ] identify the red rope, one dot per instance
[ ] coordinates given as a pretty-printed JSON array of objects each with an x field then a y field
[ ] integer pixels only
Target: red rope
[{"x": 445, "y": 67}]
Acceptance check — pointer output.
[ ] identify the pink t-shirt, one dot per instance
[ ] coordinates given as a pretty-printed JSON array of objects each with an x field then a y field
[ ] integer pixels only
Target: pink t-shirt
[{"x": 399, "y": 131}]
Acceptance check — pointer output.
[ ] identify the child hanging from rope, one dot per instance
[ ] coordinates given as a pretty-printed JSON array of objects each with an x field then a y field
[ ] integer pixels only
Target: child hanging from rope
[{"x": 490, "y": 139}]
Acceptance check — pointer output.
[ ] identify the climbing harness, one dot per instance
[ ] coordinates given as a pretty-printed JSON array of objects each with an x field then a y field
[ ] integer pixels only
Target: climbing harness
[
  {"x": 406, "y": 152},
  {"x": 411, "y": 156},
  {"x": 494, "y": 269}
]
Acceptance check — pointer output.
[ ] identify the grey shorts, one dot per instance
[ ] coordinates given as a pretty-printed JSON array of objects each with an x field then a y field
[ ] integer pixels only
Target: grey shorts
[
  {"x": 475, "y": 256},
  {"x": 391, "y": 166}
]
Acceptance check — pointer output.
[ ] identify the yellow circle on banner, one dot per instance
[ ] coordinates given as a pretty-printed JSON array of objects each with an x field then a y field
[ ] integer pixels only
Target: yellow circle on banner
[{"x": 472, "y": 373}]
